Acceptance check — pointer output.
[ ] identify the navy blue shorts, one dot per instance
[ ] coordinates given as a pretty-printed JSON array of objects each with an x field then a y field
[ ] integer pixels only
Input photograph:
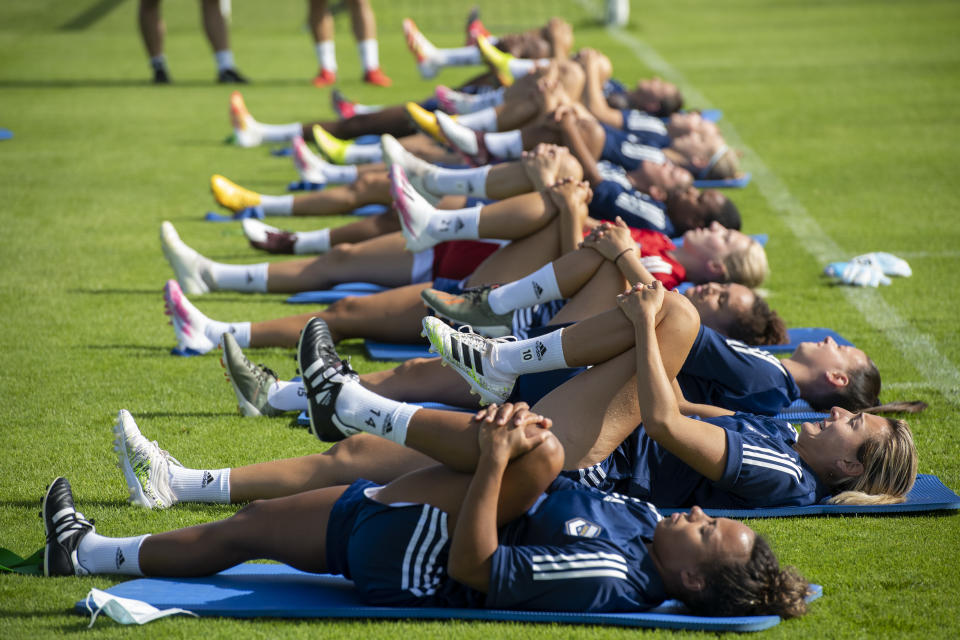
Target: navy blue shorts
[{"x": 613, "y": 473}]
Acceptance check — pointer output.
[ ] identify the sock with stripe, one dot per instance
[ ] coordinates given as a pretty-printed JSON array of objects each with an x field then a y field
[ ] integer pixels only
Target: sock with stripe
[
  {"x": 543, "y": 353},
  {"x": 540, "y": 286},
  {"x": 100, "y": 554}
]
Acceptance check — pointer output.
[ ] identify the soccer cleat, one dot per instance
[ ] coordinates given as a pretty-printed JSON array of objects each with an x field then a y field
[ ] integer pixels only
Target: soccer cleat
[
  {"x": 256, "y": 231},
  {"x": 251, "y": 382},
  {"x": 266, "y": 238},
  {"x": 415, "y": 169},
  {"x": 344, "y": 108},
  {"x": 308, "y": 165},
  {"x": 324, "y": 374},
  {"x": 470, "y": 308},
  {"x": 468, "y": 142},
  {"x": 422, "y": 49},
  {"x": 448, "y": 98},
  {"x": 188, "y": 323},
  {"x": 161, "y": 75},
  {"x": 246, "y": 130},
  {"x": 413, "y": 210},
  {"x": 145, "y": 466},
  {"x": 377, "y": 77},
  {"x": 231, "y": 76},
  {"x": 333, "y": 148},
  {"x": 470, "y": 355},
  {"x": 64, "y": 529},
  {"x": 231, "y": 195},
  {"x": 475, "y": 27},
  {"x": 499, "y": 60},
  {"x": 324, "y": 78},
  {"x": 424, "y": 121},
  {"x": 188, "y": 265}
]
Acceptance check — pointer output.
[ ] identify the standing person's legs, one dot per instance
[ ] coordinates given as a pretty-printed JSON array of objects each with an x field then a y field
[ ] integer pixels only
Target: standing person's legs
[
  {"x": 215, "y": 26},
  {"x": 152, "y": 30},
  {"x": 320, "y": 21},
  {"x": 365, "y": 32}
]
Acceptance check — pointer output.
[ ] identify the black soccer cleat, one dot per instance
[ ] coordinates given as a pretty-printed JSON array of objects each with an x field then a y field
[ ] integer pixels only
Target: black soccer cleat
[
  {"x": 64, "y": 528},
  {"x": 324, "y": 374},
  {"x": 231, "y": 76}
]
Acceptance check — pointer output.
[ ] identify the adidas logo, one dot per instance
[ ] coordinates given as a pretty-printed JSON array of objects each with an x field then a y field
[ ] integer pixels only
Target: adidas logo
[
  {"x": 537, "y": 290},
  {"x": 249, "y": 277},
  {"x": 459, "y": 225},
  {"x": 207, "y": 479},
  {"x": 119, "y": 559},
  {"x": 387, "y": 425},
  {"x": 540, "y": 350}
]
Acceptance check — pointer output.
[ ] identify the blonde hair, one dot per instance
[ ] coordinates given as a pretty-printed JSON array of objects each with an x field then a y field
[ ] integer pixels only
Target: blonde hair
[
  {"x": 726, "y": 166},
  {"x": 748, "y": 267},
  {"x": 889, "y": 469}
]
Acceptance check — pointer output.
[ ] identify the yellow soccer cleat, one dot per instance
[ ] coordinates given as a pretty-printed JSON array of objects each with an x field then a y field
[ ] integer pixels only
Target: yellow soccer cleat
[
  {"x": 333, "y": 149},
  {"x": 499, "y": 60},
  {"x": 231, "y": 195},
  {"x": 425, "y": 121}
]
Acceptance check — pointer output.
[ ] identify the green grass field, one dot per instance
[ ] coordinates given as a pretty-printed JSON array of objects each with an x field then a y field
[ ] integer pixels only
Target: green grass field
[{"x": 847, "y": 111}]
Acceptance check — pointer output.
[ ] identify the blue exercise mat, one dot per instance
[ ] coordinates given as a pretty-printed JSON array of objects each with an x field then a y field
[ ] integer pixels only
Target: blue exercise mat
[
  {"x": 390, "y": 351},
  {"x": 257, "y": 212},
  {"x": 928, "y": 494},
  {"x": 338, "y": 292},
  {"x": 278, "y": 591},
  {"x": 5, "y": 134},
  {"x": 710, "y": 115},
  {"x": 728, "y": 183},
  {"x": 805, "y": 334}
]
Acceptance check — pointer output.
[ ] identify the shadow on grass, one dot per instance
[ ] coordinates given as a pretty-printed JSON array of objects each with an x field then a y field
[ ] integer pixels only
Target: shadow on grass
[
  {"x": 184, "y": 414},
  {"x": 122, "y": 83},
  {"x": 31, "y": 504},
  {"x": 118, "y": 292},
  {"x": 151, "y": 349}
]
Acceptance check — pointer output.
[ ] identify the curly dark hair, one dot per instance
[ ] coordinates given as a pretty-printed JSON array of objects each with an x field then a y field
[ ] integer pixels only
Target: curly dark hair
[
  {"x": 761, "y": 325},
  {"x": 757, "y": 587}
]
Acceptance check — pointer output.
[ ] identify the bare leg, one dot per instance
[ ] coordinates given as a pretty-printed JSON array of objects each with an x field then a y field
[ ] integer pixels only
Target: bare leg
[
  {"x": 590, "y": 130},
  {"x": 421, "y": 380},
  {"x": 381, "y": 260},
  {"x": 320, "y": 20},
  {"x": 362, "y": 20},
  {"x": 516, "y": 217},
  {"x": 366, "y": 228},
  {"x": 520, "y": 257},
  {"x": 392, "y": 120},
  {"x": 152, "y": 27},
  {"x": 214, "y": 25},
  {"x": 598, "y": 294},
  {"x": 369, "y": 188},
  {"x": 392, "y": 316}
]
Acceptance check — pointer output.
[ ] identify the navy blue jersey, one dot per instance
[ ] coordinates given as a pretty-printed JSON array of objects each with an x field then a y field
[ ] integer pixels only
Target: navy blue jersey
[
  {"x": 640, "y": 211},
  {"x": 613, "y": 87},
  {"x": 762, "y": 469},
  {"x": 648, "y": 129},
  {"x": 727, "y": 373},
  {"x": 624, "y": 149}
]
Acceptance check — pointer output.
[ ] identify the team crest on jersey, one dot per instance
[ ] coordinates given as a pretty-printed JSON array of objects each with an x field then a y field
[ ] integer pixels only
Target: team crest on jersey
[{"x": 582, "y": 528}]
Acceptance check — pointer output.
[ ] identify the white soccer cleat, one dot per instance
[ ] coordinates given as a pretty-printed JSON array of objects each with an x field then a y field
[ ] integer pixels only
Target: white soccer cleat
[
  {"x": 423, "y": 50},
  {"x": 145, "y": 466},
  {"x": 308, "y": 165},
  {"x": 188, "y": 265},
  {"x": 256, "y": 231},
  {"x": 415, "y": 168},
  {"x": 246, "y": 130},
  {"x": 413, "y": 210},
  {"x": 188, "y": 323},
  {"x": 471, "y": 355},
  {"x": 463, "y": 138}
]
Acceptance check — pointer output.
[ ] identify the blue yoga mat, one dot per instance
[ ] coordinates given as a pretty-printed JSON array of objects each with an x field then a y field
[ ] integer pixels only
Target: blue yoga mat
[
  {"x": 338, "y": 292},
  {"x": 278, "y": 591},
  {"x": 5, "y": 134},
  {"x": 257, "y": 212},
  {"x": 389, "y": 351},
  {"x": 710, "y": 115},
  {"x": 805, "y": 334},
  {"x": 728, "y": 183}
]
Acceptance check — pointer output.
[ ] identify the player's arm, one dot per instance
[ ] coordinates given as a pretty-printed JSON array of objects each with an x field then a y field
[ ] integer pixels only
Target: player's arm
[
  {"x": 593, "y": 96},
  {"x": 688, "y": 408},
  {"x": 701, "y": 445},
  {"x": 615, "y": 243}
]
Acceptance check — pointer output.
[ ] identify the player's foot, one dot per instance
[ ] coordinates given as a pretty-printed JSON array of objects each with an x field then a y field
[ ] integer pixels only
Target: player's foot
[
  {"x": 231, "y": 76},
  {"x": 471, "y": 355},
  {"x": 413, "y": 210},
  {"x": 424, "y": 121},
  {"x": 471, "y": 307},
  {"x": 231, "y": 195},
  {"x": 448, "y": 99},
  {"x": 377, "y": 77},
  {"x": 188, "y": 323},
  {"x": 246, "y": 130},
  {"x": 415, "y": 169},
  {"x": 263, "y": 236},
  {"x": 422, "y": 49},
  {"x": 188, "y": 265},
  {"x": 465, "y": 140},
  {"x": 64, "y": 529},
  {"x": 475, "y": 27},
  {"x": 334, "y": 149},
  {"x": 324, "y": 374},
  {"x": 308, "y": 165},
  {"x": 161, "y": 75},
  {"x": 344, "y": 108},
  {"x": 145, "y": 466},
  {"x": 324, "y": 78},
  {"x": 499, "y": 60},
  {"x": 251, "y": 382}
]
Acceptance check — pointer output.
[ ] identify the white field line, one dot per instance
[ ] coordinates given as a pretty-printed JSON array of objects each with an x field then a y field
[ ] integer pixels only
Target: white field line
[{"x": 917, "y": 348}]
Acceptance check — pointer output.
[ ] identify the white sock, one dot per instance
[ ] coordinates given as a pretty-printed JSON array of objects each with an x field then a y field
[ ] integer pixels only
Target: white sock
[
  {"x": 224, "y": 59},
  {"x": 277, "y": 205},
  {"x": 365, "y": 410},
  {"x": 287, "y": 396},
  {"x": 458, "y": 57},
  {"x": 250, "y": 278},
  {"x": 544, "y": 353},
  {"x": 455, "y": 224},
  {"x": 214, "y": 329},
  {"x": 340, "y": 174},
  {"x": 520, "y": 67},
  {"x": 458, "y": 182},
  {"x": 369, "y": 54},
  {"x": 200, "y": 485},
  {"x": 100, "y": 554},
  {"x": 312, "y": 241},
  {"x": 507, "y": 144},
  {"x": 482, "y": 120},
  {"x": 280, "y": 132},
  {"x": 483, "y": 100},
  {"x": 327, "y": 55},
  {"x": 462, "y": 137},
  {"x": 366, "y": 108},
  {"x": 158, "y": 62},
  {"x": 539, "y": 286},
  {"x": 363, "y": 153}
]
